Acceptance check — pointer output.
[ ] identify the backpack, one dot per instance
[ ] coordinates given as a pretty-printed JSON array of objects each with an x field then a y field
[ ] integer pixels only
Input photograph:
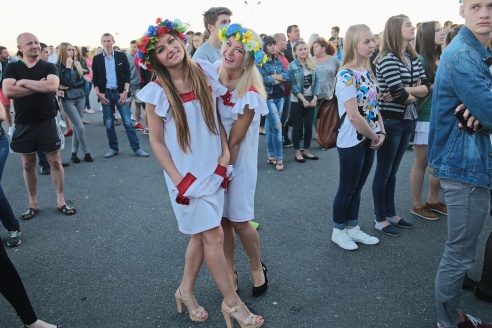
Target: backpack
[{"x": 329, "y": 123}]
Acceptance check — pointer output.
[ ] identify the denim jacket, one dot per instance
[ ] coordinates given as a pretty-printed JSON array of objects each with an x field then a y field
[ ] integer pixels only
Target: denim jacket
[
  {"x": 463, "y": 77},
  {"x": 272, "y": 67},
  {"x": 296, "y": 74}
]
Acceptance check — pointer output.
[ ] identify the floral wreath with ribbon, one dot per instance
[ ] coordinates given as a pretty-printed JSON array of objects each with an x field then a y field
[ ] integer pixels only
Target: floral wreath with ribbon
[
  {"x": 146, "y": 43},
  {"x": 246, "y": 37}
]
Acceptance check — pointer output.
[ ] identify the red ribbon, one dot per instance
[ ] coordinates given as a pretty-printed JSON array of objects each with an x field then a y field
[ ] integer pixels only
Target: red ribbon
[
  {"x": 222, "y": 171},
  {"x": 182, "y": 187}
]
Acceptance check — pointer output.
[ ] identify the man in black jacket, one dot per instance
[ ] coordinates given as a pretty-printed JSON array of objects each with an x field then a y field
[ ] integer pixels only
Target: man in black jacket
[
  {"x": 294, "y": 34},
  {"x": 111, "y": 78}
]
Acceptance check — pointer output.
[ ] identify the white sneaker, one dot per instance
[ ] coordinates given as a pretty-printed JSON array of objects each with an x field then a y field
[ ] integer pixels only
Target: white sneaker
[
  {"x": 359, "y": 236},
  {"x": 343, "y": 240}
]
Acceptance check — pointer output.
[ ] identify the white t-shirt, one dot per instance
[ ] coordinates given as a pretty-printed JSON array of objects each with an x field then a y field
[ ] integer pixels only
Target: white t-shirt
[{"x": 362, "y": 86}]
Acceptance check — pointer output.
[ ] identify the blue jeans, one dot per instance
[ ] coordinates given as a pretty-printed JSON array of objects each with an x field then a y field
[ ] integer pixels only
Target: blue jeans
[
  {"x": 467, "y": 212},
  {"x": 88, "y": 87},
  {"x": 6, "y": 214},
  {"x": 274, "y": 128},
  {"x": 114, "y": 100},
  {"x": 389, "y": 158},
  {"x": 355, "y": 166}
]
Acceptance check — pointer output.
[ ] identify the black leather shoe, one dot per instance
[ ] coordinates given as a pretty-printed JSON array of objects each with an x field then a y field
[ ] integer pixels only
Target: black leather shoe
[
  {"x": 260, "y": 290},
  {"x": 45, "y": 170},
  {"x": 483, "y": 295},
  {"x": 88, "y": 158},
  {"x": 302, "y": 160},
  {"x": 74, "y": 158},
  {"x": 313, "y": 158}
]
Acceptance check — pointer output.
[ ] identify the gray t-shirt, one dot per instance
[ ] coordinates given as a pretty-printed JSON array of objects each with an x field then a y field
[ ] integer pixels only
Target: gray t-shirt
[
  {"x": 207, "y": 52},
  {"x": 327, "y": 75}
]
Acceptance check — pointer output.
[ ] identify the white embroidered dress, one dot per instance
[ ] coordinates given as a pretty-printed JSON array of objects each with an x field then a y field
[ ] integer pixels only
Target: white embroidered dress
[
  {"x": 204, "y": 211},
  {"x": 239, "y": 205}
]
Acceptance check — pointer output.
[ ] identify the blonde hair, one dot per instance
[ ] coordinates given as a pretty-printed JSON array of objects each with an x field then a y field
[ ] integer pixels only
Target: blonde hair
[
  {"x": 352, "y": 38},
  {"x": 309, "y": 59},
  {"x": 193, "y": 75},
  {"x": 62, "y": 57},
  {"x": 251, "y": 75},
  {"x": 393, "y": 40}
]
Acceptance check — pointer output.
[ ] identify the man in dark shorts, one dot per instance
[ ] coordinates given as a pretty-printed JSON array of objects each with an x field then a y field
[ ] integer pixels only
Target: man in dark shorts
[{"x": 32, "y": 84}]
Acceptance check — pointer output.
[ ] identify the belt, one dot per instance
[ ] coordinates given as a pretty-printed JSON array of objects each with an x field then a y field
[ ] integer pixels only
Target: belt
[{"x": 112, "y": 90}]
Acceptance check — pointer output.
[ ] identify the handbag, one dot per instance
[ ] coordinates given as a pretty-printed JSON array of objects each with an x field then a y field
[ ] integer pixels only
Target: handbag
[{"x": 329, "y": 123}]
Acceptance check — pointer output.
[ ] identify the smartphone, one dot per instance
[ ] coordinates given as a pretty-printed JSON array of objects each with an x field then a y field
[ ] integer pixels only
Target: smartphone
[{"x": 463, "y": 121}]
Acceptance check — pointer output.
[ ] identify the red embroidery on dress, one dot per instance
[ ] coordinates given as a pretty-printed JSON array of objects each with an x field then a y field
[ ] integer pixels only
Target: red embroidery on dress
[{"x": 227, "y": 97}]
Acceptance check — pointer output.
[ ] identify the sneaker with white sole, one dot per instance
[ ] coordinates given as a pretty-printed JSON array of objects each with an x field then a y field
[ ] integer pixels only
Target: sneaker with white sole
[
  {"x": 342, "y": 239},
  {"x": 14, "y": 238},
  {"x": 359, "y": 236}
]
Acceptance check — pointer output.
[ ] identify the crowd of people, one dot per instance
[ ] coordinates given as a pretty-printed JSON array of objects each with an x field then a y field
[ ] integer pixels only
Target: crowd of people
[{"x": 203, "y": 96}]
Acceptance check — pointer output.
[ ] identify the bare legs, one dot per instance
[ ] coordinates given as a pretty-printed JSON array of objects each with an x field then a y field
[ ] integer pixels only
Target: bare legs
[
  {"x": 251, "y": 244},
  {"x": 209, "y": 246},
  {"x": 417, "y": 178},
  {"x": 31, "y": 177}
]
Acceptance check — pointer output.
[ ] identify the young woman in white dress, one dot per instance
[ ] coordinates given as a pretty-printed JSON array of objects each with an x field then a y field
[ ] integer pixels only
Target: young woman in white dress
[
  {"x": 240, "y": 110},
  {"x": 190, "y": 145}
]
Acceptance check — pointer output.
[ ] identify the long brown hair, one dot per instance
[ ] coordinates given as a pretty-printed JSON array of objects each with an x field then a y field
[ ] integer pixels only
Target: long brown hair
[
  {"x": 62, "y": 56},
  {"x": 425, "y": 45},
  {"x": 393, "y": 40},
  {"x": 193, "y": 75}
]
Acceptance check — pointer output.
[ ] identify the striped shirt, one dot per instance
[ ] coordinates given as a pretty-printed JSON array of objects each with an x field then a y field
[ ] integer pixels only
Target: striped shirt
[{"x": 394, "y": 76}]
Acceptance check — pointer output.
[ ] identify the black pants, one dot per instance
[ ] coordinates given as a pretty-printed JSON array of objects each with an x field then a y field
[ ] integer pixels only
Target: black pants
[
  {"x": 12, "y": 289},
  {"x": 302, "y": 117}
]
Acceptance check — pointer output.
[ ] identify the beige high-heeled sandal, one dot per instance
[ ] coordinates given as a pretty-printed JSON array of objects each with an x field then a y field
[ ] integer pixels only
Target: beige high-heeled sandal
[
  {"x": 196, "y": 313},
  {"x": 251, "y": 321}
]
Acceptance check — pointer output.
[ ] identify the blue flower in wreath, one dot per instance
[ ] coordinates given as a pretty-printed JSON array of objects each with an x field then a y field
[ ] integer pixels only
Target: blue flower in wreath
[
  {"x": 169, "y": 24},
  {"x": 152, "y": 31},
  {"x": 233, "y": 29}
]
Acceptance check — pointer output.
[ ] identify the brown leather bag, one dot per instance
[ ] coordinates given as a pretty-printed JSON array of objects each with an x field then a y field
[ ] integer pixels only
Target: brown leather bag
[{"x": 329, "y": 123}]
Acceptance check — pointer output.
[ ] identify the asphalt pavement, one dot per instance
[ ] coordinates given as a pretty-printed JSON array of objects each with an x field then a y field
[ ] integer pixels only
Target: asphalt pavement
[{"x": 119, "y": 260}]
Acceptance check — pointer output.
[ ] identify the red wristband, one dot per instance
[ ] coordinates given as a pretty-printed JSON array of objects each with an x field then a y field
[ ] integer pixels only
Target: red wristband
[{"x": 221, "y": 171}]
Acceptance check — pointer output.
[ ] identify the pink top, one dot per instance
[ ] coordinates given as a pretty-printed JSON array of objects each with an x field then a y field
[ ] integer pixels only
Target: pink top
[{"x": 89, "y": 64}]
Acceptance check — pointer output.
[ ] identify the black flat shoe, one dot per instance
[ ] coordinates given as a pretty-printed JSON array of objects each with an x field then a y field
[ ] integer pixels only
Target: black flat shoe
[
  {"x": 258, "y": 291},
  {"x": 302, "y": 160},
  {"x": 483, "y": 295},
  {"x": 314, "y": 158},
  {"x": 88, "y": 158}
]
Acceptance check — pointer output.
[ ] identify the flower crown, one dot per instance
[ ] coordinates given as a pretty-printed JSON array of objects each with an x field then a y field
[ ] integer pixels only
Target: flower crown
[
  {"x": 246, "y": 37},
  {"x": 146, "y": 43}
]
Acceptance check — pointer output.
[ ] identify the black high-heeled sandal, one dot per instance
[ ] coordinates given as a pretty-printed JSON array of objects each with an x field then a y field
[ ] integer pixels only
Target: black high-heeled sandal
[
  {"x": 260, "y": 290},
  {"x": 237, "y": 283}
]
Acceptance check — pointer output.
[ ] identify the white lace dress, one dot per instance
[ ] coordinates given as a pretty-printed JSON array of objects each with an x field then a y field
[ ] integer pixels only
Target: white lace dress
[
  {"x": 204, "y": 211},
  {"x": 239, "y": 205}
]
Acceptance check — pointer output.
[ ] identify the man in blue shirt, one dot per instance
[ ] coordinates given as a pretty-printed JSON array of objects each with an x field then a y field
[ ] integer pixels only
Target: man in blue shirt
[
  {"x": 462, "y": 159},
  {"x": 111, "y": 78}
]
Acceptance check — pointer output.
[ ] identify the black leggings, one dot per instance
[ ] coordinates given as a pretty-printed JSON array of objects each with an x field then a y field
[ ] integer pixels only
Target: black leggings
[
  {"x": 302, "y": 116},
  {"x": 12, "y": 289}
]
